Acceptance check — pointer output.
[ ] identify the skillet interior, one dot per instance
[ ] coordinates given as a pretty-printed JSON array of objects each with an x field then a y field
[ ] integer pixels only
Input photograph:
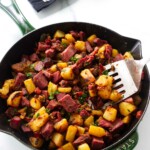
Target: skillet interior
[{"x": 27, "y": 44}]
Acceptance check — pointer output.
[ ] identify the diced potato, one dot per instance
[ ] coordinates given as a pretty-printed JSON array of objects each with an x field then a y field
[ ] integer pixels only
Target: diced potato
[
  {"x": 64, "y": 42},
  {"x": 126, "y": 119},
  {"x": 62, "y": 65},
  {"x": 128, "y": 55},
  {"x": 76, "y": 119},
  {"x": 87, "y": 76},
  {"x": 53, "y": 68},
  {"x": 71, "y": 133},
  {"x": 36, "y": 142},
  {"x": 110, "y": 114},
  {"x": 14, "y": 99},
  {"x": 61, "y": 126},
  {"x": 59, "y": 34},
  {"x": 39, "y": 119},
  {"x": 115, "y": 96},
  {"x": 97, "y": 112},
  {"x": 102, "y": 49},
  {"x": 78, "y": 56},
  {"x": 58, "y": 139},
  {"x": 64, "y": 89},
  {"x": 104, "y": 92},
  {"x": 126, "y": 108},
  {"x": 8, "y": 84},
  {"x": 68, "y": 146},
  {"x": 51, "y": 145},
  {"x": 84, "y": 146},
  {"x": 80, "y": 46},
  {"x": 69, "y": 38},
  {"x": 35, "y": 103},
  {"x": 40, "y": 112},
  {"x": 29, "y": 85},
  {"x": 88, "y": 121},
  {"x": 115, "y": 52},
  {"x": 104, "y": 80},
  {"x": 101, "y": 52},
  {"x": 52, "y": 88},
  {"x": 80, "y": 130},
  {"x": 97, "y": 131},
  {"x": 67, "y": 73},
  {"x": 91, "y": 38},
  {"x": 22, "y": 112}
]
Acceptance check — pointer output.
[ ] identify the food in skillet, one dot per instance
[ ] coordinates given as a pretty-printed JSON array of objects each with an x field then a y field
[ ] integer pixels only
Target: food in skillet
[{"x": 57, "y": 95}]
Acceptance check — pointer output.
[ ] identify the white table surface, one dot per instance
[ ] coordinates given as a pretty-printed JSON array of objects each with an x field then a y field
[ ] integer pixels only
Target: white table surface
[{"x": 129, "y": 18}]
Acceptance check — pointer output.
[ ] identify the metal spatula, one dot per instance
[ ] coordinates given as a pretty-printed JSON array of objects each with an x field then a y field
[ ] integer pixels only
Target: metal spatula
[{"x": 127, "y": 75}]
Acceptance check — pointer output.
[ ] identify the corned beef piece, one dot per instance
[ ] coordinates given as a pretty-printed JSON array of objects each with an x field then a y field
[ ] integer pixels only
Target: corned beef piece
[
  {"x": 68, "y": 53},
  {"x": 68, "y": 103},
  {"x": 97, "y": 143},
  {"x": 47, "y": 130},
  {"x": 84, "y": 138},
  {"x": 40, "y": 80},
  {"x": 19, "y": 80},
  {"x": 52, "y": 104},
  {"x": 15, "y": 122}
]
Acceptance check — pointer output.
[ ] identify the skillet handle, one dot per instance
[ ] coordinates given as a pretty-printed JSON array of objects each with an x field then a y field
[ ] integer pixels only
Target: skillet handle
[
  {"x": 14, "y": 12},
  {"x": 129, "y": 143}
]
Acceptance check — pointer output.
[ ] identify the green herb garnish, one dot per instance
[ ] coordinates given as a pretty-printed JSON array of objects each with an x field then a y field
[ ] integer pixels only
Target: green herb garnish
[
  {"x": 51, "y": 96},
  {"x": 37, "y": 115},
  {"x": 74, "y": 59},
  {"x": 105, "y": 72},
  {"x": 48, "y": 110},
  {"x": 82, "y": 98},
  {"x": 64, "y": 44},
  {"x": 28, "y": 74}
]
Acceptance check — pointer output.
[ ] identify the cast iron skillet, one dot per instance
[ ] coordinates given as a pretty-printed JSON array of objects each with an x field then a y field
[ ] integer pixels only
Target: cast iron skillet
[{"x": 27, "y": 44}]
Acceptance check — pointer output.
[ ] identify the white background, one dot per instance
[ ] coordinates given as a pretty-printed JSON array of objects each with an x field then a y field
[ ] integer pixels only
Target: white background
[{"x": 127, "y": 17}]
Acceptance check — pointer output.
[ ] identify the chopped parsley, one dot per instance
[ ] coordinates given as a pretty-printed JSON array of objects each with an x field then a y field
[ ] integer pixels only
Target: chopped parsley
[
  {"x": 64, "y": 44},
  {"x": 105, "y": 72},
  {"x": 82, "y": 98},
  {"x": 48, "y": 110},
  {"x": 74, "y": 59},
  {"x": 52, "y": 94},
  {"x": 37, "y": 115},
  {"x": 95, "y": 123},
  {"x": 29, "y": 74}
]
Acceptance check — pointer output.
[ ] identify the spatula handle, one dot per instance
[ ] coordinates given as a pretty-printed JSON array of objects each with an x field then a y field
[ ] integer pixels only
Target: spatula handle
[{"x": 14, "y": 12}]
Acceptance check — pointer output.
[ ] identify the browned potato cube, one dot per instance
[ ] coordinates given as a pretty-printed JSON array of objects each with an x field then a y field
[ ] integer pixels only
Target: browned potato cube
[
  {"x": 58, "y": 139},
  {"x": 115, "y": 96},
  {"x": 104, "y": 80},
  {"x": 61, "y": 126},
  {"x": 36, "y": 142},
  {"x": 110, "y": 114},
  {"x": 88, "y": 121},
  {"x": 35, "y": 103},
  {"x": 67, "y": 73},
  {"x": 87, "y": 76},
  {"x": 80, "y": 46},
  {"x": 64, "y": 89},
  {"x": 68, "y": 146},
  {"x": 126, "y": 108},
  {"x": 69, "y": 38},
  {"x": 80, "y": 130},
  {"x": 71, "y": 133},
  {"x": 84, "y": 146},
  {"x": 29, "y": 85},
  {"x": 97, "y": 131},
  {"x": 76, "y": 119},
  {"x": 91, "y": 38},
  {"x": 14, "y": 99},
  {"x": 59, "y": 34},
  {"x": 104, "y": 92}
]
